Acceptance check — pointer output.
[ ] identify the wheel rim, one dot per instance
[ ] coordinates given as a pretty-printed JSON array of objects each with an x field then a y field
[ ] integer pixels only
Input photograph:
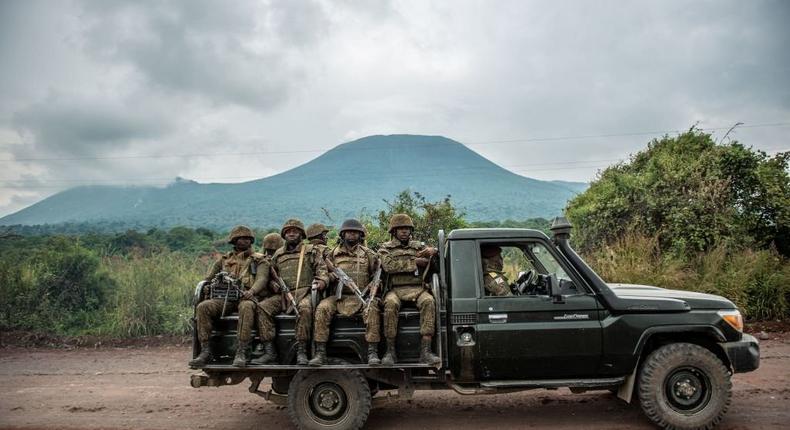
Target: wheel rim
[
  {"x": 687, "y": 390},
  {"x": 328, "y": 402}
]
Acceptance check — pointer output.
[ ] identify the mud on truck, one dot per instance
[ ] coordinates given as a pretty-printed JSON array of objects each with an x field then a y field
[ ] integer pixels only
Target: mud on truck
[{"x": 562, "y": 326}]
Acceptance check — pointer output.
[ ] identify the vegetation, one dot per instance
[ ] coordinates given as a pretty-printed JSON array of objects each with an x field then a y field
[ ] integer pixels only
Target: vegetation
[{"x": 685, "y": 213}]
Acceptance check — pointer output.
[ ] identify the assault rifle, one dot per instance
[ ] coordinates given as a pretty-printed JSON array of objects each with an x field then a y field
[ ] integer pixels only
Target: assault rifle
[
  {"x": 374, "y": 287},
  {"x": 284, "y": 288},
  {"x": 344, "y": 279}
]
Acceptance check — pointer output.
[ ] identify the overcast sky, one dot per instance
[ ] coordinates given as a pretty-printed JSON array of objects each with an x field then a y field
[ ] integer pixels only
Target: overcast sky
[{"x": 101, "y": 92}]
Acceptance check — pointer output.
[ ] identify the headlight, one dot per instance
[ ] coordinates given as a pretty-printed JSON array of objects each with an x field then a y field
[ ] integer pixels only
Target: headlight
[{"x": 733, "y": 318}]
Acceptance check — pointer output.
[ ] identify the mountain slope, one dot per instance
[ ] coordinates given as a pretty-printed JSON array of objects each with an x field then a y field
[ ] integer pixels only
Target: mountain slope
[{"x": 352, "y": 177}]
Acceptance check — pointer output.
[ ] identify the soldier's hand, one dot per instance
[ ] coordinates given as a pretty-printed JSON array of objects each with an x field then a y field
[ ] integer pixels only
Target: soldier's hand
[
  {"x": 428, "y": 252},
  {"x": 319, "y": 284},
  {"x": 246, "y": 294}
]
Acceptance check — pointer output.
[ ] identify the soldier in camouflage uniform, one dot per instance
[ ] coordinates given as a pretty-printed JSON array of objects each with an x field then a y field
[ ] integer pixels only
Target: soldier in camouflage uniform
[
  {"x": 241, "y": 264},
  {"x": 269, "y": 305},
  {"x": 494, "y": 280},
  {"x": 271, "y": 242},
  {"x": 360, "y": 263},
  {"x": 287, "y": 261},
  {"x": 406, "y": 262},
  {"x": 316, "y": 235}
]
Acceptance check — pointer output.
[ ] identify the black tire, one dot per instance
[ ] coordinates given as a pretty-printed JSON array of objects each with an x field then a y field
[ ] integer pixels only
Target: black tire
[
  {"x": 684, "y": 386},
  {"x": 329, "y": 400}
]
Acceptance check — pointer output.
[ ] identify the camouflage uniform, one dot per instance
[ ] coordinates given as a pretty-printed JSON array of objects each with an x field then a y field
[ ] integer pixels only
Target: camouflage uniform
[
  {"x": 405, "y": 284},
  {"x": 286, "y": 264},
  {"x": 494, "y": 280},
  {"x": 239, "y": 265},
  {"x": 359, "y": 263},
  {"x": 243, "y": 266}
]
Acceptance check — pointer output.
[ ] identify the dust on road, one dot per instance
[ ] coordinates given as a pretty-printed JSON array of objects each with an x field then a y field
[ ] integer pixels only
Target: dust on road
[{"x": 135, "y": 388}]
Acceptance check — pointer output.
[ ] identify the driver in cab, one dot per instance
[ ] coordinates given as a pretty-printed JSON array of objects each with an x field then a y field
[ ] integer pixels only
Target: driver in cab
[{"x": 494, "y": 279}]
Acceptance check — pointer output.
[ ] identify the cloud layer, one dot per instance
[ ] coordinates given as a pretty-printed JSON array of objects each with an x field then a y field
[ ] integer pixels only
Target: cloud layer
[{"x": 142, "y": 92}]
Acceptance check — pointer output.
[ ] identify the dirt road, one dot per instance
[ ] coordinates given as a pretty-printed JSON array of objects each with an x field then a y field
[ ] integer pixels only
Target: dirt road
[{"x": 148, "y": 388}]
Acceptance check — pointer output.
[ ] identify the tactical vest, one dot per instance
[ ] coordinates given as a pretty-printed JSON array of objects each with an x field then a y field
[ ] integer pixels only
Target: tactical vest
[
  {"x": 239, "y": 267},
  {"x": 356, "y": 265},
  {"x": 400, "y": 263},
  {"x": 288, "y": 264}
]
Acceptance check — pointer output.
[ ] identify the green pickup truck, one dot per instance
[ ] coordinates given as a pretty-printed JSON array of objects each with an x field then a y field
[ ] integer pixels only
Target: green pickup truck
[{"x": 561, "y": 326}]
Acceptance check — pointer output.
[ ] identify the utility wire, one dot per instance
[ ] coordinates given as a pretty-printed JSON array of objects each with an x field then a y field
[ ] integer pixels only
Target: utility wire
[{"x": 341, "y": 148}]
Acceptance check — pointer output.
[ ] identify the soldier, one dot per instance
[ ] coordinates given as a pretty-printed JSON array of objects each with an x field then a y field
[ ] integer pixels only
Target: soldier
[
  {"x": 360, "y": 263},
  {"x": 240, "y": 264},
  {"x": 271, "y": 242},
  {"x": 316, "y": 235},
  {"x": 495, "y": 281},
  {"x": 269, "y": 305},
  {"x": 403, "y": 259},
  {"x": 300, "y": 266}
]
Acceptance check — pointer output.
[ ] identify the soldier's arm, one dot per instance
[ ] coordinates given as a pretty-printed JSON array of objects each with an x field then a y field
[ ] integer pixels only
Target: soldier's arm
[
  {"x": 320, "y": 272},
  {"x": 213, "y": 270},
  {"x": 261, "y": 277}
]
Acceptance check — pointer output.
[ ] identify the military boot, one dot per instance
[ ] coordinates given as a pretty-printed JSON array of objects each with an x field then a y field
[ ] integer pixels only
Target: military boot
[
  {"x": 426, "y": 355},
  {"x": 319, "y": 358},
  {"x": 389, "y": 357},
  {"x": 373, "y": 354},
  {"x": 301, "y": 353},
  {"x": 204, "y": 357},
  {"x": 269, "y": 355},
  {"x": 241, "y": 355}
]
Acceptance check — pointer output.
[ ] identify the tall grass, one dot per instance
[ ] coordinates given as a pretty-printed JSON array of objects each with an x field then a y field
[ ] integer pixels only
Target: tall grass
[
  {"x": 758, "y": 282},
  {"x": 153, "y": 294}
]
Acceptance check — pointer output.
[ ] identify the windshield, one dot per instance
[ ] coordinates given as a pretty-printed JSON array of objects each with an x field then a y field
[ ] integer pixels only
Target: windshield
[{"x": 548, "y": 261}]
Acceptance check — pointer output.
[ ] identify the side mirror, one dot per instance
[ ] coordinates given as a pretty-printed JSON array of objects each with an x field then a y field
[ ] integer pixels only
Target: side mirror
[{"x": 554, "y": 289}]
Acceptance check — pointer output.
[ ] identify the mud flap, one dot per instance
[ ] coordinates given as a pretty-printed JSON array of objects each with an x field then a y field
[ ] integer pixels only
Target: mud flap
[{"x": 626, "y": 389}]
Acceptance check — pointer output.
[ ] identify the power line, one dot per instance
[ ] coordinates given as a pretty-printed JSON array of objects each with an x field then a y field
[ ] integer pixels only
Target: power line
[{"x": 489, "y": 142}]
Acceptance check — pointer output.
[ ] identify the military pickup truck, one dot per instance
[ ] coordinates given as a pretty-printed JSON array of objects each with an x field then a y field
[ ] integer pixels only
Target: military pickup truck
[{"x": 563, "y": 326}]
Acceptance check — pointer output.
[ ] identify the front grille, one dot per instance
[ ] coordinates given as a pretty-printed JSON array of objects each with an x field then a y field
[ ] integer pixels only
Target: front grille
[{"x": 464, "y": 318}]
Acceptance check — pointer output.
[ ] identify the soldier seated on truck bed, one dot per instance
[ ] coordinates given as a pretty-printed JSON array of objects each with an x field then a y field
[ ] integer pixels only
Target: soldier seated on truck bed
[
  {"x": 406, "y": 263},
  {"x": 241, "y": 266},
  {"x": 360, "y": 264}
]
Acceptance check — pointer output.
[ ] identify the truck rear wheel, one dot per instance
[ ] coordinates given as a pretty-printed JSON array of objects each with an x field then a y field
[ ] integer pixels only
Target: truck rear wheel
[
  {"x": 684, "y": 386},
  {"x": 329, "y": 400}
]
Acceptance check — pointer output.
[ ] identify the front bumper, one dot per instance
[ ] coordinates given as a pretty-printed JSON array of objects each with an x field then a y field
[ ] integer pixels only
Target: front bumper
[{"x": 744, "y": 355}]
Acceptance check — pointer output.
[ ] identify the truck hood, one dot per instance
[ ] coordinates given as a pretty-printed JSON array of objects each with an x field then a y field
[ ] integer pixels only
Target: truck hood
[{"x": 658, "y": 298}]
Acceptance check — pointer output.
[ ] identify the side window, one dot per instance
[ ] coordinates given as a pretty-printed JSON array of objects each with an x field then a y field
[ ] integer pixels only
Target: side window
[{"x": 521, "y": 269}]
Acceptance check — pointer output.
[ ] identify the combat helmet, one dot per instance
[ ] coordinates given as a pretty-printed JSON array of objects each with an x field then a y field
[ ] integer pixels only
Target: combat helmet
[
  {"x": 293, "y": 223},
  {"x": 352, "y": 225},
  {"x": 272, "y": 241},
  {"x": 316, "y": 230},
  {"x": 241, "y": 231},
  {"x": 400, "y": 220}
]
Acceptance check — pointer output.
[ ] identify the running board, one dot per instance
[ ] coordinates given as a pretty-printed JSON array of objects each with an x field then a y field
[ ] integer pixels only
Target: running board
[
  {"x": 556, "y": 383},
  {"x": 253, "y": 368}
]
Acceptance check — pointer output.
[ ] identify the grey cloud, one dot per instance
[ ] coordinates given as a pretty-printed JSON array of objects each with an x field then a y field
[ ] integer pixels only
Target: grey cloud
[
  {"x": 226, "y": 53},
  {"x": 73, "y": 125}
]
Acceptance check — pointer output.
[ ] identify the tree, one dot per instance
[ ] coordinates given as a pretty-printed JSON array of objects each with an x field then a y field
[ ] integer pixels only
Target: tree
[
  {"x": 428, "y": 217},
  {"x": 692, "y": 193}
]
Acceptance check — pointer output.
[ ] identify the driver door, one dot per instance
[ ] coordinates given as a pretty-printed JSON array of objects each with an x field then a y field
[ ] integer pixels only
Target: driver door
[{"x": 533, "y": 336}]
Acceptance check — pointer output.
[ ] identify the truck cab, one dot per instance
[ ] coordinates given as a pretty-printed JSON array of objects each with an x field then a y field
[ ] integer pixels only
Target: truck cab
[{"x": 560, "y": 326}]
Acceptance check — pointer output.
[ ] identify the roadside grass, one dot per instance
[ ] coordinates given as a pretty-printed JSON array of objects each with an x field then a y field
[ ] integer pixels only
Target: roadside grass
[{"x": 758, "y": 282}]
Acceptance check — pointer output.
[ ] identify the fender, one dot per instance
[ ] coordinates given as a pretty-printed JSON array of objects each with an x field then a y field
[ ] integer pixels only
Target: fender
[{"x": 626, "y": 390}]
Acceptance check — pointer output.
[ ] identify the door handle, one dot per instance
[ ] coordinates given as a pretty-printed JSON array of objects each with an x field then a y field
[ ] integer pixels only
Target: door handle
[{"x": 497, "y": 318}]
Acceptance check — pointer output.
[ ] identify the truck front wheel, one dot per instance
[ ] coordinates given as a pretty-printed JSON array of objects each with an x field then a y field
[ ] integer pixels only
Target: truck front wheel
[
  {"x": 684, "y": 386},
  {"x": 329, "y": 400}
]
